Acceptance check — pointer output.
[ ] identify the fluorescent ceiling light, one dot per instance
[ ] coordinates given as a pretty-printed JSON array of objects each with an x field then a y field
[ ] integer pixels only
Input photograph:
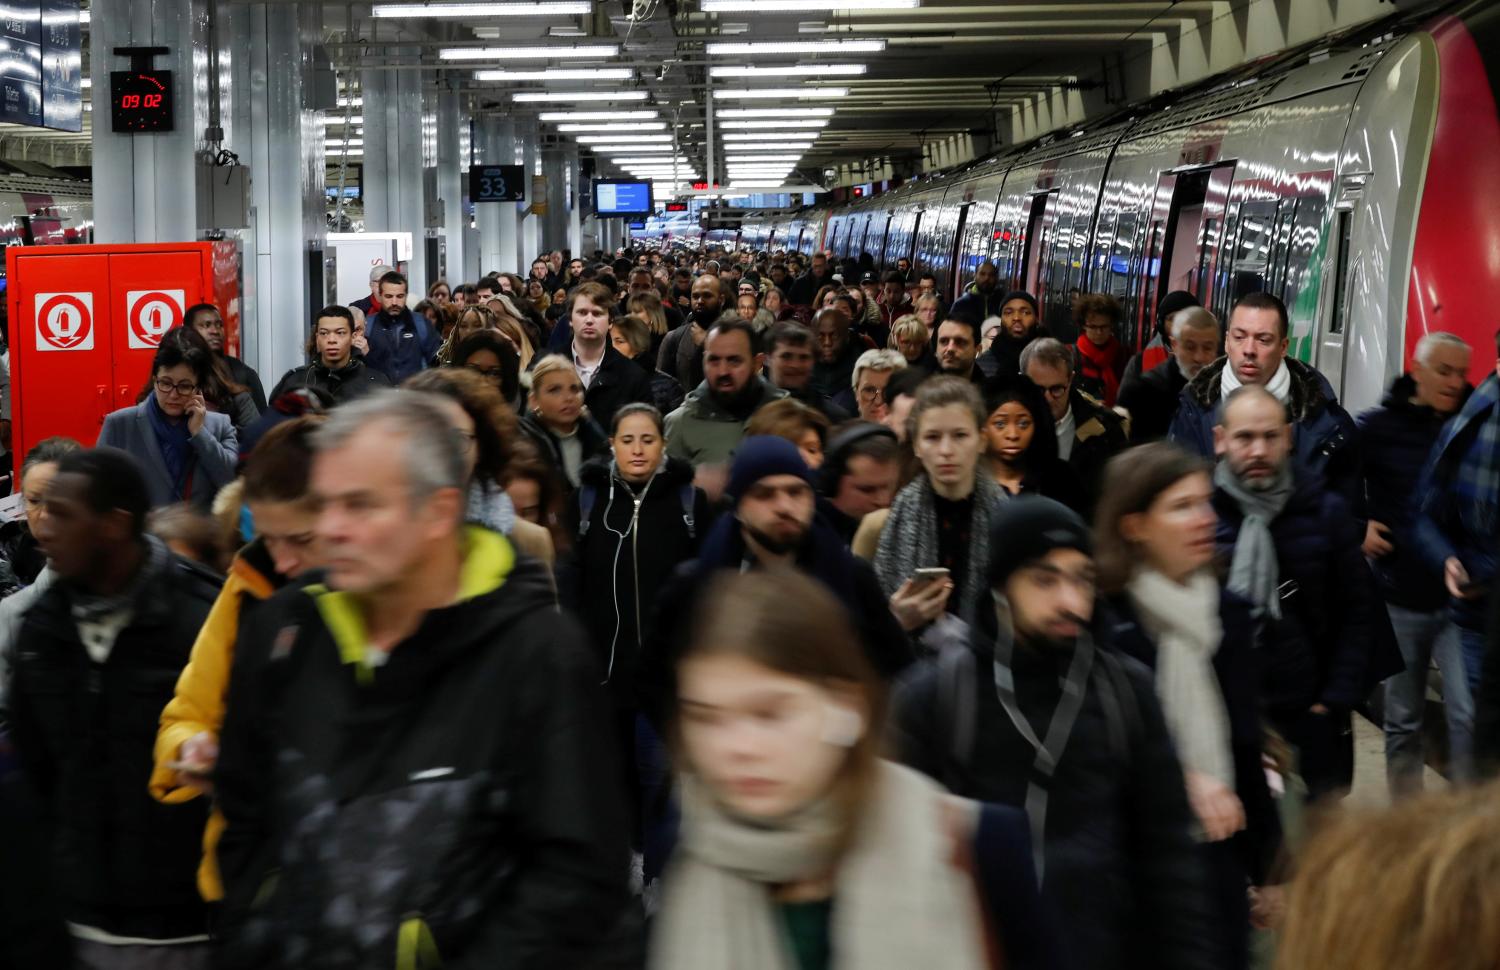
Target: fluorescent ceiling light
[
  {"x": 650, "y": 162},
  {"x": 741, "y": 186},
  {"x": 579, "y": 96},
  {"x": 559, "y": 74},
  {"x": 619, "y": 126},
  {"x": 748, "y": 94},
  {"x": 596, "y": 115},
  {"x": 623, "y": 139},
  {"x": 799, "y": 112},
  {"x": 337, "y": 143},
  {"x": 83, "y": 16},
  {"x": 627, "y": 149},
  {"x": 873, "y": 46},
  {"x": 345, "y": 102},
  {"x": 740, "y": 159},
  {"x": 527, "y": 53},
  {"x": 329, "y": 120},
  {"x": 771, "y": 6},
  {"x": 775, "y": 123},
  {"x": 787, "y": 70},
  {"x": 732, "y": 136},
  {"x": 86, "y": 83},
  {"x": 545, "y": 8},
  {"x": 785, "y": 146}
]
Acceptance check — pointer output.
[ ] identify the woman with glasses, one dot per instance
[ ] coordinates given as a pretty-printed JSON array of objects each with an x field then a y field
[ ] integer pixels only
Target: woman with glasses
[
  {"x": 491, "y": 355},
  {"x": 186, "y": 452}
]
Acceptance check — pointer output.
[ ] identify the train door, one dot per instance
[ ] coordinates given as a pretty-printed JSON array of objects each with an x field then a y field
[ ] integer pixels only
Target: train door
[
  {"x": 1333, "y": 348},
  {"x": 1035, "y": 217},
  {"x": 1211, "y": 237},
  {"x": 955, "y": 259}
]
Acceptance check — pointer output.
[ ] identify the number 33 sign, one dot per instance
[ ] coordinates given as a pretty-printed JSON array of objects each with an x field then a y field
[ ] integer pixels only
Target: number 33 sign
[{"x": 497, "y": 183}]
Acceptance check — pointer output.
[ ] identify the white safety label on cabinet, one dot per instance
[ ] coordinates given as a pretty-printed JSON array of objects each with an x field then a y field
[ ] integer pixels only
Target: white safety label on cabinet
[
  {"x": 65, "y": 321},
  {"x": 151, "y": 313}
]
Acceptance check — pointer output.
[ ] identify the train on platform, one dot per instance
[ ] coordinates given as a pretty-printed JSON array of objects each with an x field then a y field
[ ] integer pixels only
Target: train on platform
[{"x": 1357, "y": 178}]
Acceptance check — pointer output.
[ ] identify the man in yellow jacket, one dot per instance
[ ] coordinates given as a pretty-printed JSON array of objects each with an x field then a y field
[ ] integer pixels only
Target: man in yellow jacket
[{"x": 187, "y": 742}]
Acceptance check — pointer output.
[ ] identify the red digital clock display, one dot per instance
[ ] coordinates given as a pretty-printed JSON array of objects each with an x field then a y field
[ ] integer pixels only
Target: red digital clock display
[{"x": 141, "y": 101}]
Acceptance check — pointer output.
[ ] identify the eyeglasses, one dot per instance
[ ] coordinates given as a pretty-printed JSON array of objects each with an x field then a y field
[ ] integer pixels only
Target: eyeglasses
[
  {"x": 1055, "y": 390},
  {"x": 493, "y": 373},
  {"x": 869, "y": 394},
  {"x": 183, "y": 388}
]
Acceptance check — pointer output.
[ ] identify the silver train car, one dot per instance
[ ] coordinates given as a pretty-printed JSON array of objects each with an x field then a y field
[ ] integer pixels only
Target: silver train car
[{"x": 1358, "y": 179}]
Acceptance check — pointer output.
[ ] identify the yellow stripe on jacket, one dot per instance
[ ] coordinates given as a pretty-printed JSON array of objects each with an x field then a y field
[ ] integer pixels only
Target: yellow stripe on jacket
[{"x": 198, "y": 705}]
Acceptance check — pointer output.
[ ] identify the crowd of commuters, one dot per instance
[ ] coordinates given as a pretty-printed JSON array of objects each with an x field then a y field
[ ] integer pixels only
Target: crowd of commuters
[{"x": 714, "y": 609}]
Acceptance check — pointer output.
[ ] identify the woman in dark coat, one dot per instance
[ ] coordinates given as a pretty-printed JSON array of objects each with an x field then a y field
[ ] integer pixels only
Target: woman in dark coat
[
  {"x": 1155, "y": 550},
  {"x": 558, "y": 423},
  {"x": 1021, "y": 443}
]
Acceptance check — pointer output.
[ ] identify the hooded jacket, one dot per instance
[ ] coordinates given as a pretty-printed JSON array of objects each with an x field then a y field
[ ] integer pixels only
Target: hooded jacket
[
  {"x": 634, "y": 541},
  {"x": 1152, "y": 399},
  {"x": 354, "y": 379},
  {"x": 197, "y": 703},
  {"x": 83, "y": 732},
  {"x": 1121, "y": 867},
  {"x": 402, "y": 345},
  {"x": 1327, "y": 443},
  {"x": 701, "y": 432},
  {"x": 1395, "y": 439},
  {"x": 453, "y": 805}
]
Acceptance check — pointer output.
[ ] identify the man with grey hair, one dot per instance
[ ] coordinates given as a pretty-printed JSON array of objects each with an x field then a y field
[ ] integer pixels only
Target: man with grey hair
[
  {"x": 370, "y": 304},
  {"x": 1088, "y": 433},
  {"x": 866, "y": 392},
  {"x": 1294, "y": 552},
  {"x": 1152, "y": 398},
  {"x": 1396, "y": 439},
  {"x": 439, "y": 781}
]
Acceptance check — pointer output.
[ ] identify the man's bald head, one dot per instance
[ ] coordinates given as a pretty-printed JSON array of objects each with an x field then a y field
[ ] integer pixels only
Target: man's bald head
[{"x": 1254, "y": 436}]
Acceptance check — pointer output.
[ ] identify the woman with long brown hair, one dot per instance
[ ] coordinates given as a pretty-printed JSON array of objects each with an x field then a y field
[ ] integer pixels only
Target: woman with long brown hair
[{"x": 799, "y": 846}]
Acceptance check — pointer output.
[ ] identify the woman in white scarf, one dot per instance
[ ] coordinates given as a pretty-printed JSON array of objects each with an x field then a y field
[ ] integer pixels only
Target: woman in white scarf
[
  {"x": 1155, "y": 535},
  {"x": 800, "y": 849}
]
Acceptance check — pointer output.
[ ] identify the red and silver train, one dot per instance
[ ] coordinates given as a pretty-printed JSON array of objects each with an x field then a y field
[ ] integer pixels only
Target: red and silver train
[{"x": 1358, "y": 179}]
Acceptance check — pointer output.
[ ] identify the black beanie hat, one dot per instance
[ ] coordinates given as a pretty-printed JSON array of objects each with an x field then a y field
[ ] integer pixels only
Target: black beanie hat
[
  {"x": 1026, "y": 529},
  {"x": 1172, "y": 303},
  {"x": 1022, "y": 295}
]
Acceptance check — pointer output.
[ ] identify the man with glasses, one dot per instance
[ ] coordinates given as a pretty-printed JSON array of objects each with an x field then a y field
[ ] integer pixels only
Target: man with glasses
[
  {"x": 209, "y": 322},
  {"x": 335, "y": 373},
  {"x": 1088, "y": 433}
]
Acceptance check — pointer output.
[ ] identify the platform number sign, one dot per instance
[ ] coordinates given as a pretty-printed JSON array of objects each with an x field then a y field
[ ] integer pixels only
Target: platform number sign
[
  {"x": 151, "y": 313},
  {"x": 65, "y": 321},
  {"x": 497, "y": 183}
]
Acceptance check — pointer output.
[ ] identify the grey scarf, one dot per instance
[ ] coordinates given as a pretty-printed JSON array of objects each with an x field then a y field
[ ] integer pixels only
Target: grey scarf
[
  {"x": 490, "y": 507},
  {"x": 1253, "y": 573},
  {"x": 900, "y": 902},
  {"x": 909, "y": 540}
]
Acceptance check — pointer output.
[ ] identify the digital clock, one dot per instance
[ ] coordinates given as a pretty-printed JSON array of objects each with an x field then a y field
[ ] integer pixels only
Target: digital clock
[{"x": 140, "y": 100}]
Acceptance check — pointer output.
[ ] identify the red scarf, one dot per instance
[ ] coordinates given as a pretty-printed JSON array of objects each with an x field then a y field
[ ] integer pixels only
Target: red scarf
[{"x": 1103, "y": 364}]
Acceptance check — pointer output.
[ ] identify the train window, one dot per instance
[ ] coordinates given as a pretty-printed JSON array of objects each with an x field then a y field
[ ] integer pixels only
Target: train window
[
  {"x": 1122, "y": 248},
  {"x": 1252, "y": 250},
  {"x": 1206, "y": 249},
  {"x": 1341, "y": 281},
  {"x": 1036, "y": 243},
  {"x": 1303, "y": 229}
]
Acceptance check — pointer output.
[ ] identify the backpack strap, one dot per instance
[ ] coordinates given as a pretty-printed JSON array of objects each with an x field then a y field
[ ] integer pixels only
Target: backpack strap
[
  {"x": 587, "y": 495},
  {"x": 688, "y": 496}
]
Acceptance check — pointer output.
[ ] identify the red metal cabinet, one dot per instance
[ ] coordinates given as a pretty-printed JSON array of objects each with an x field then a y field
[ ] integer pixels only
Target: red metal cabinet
[{"x": 85, "y": 322}]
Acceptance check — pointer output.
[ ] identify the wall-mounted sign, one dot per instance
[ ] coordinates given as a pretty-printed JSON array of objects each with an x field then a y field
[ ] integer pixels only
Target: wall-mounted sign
[
  {"x": 41, "y": 81},
  {"x": 497, "y": 183}
]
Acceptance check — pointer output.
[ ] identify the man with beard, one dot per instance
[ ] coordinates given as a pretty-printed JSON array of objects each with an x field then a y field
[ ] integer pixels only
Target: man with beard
[
  {"x": 681, "y": 353},
  {"x": 1152, "y": 398},
  {"x": 837, "y": 352},
  {"x": 773, "y": 525},
  {"x": 708, "y": 427},
  {"x": 791, "y": 356},
  {"x": 957, "y": 341},
  {"x": 1038, "y": 714},
  {"x": 1020, "y": 324},
  {"x": 1294, "y": 554},
  {"x": 209, "y": 322},
  {"x": 981, "y": 299},
  {"x": 401, "y": 343}
]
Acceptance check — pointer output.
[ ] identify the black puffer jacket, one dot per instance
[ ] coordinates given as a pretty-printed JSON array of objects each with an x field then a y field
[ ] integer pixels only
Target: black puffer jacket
[
  {"x": 590, "y": 435},
  {"x": 1395, "y": 440},
  {"x": 1122, "y": 871},
  {"x": 634, "y": 541},
  {"x": 84, "y": 733},
  {"x": 354, "y": 379},
  {"x": 467, "y": 783},
  {"x": 1152, "y": 399},
  {"x": 23, "y": 558}
]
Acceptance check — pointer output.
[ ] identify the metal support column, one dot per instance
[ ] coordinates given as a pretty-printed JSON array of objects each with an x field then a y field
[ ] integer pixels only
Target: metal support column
[{"x": 453, "y": 166}]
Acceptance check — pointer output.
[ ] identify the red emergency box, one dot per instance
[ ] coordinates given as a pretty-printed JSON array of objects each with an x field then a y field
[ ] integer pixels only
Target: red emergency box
[{"x": 85, "y": 322}]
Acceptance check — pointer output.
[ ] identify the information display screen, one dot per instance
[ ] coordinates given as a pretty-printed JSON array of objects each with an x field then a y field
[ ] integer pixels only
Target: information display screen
[
  {"x": 622, "y": 197},
  {"x": 140, "y": 100}
]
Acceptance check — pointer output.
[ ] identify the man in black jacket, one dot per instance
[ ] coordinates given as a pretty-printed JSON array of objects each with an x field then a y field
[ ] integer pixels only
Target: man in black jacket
[
  {"x": 791, "y": 356},
  {"x": 1193, "y": 337},
  {"x": 610, "y": 380},
  {"x": 805, "y": 287},
  {"x": 439, "y": 763},
  {"x": 336, "y": 373},
  {"x": 1294, "y": 553},
  {"x": 1395, "y": 440},
  {"x": 209, "y": 322},
  {"x": 1088, "y": 433},
  {"x": 1035, "y": 714},
  {"x": 96, "y": 661}
]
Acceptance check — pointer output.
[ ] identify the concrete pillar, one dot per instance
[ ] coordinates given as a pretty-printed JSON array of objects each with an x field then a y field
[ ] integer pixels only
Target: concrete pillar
[
  {"x": 452, "y": 170},
  {"x": 555, "y": 220},
  {"x": 144, "y": 184},
  {"x": 394, "y": 184},
  {"x": 496, "y": 220},
  {"x": 574, "y": 196},
  {"x": 531, "y": 224},
  {"x": 279, "y": 136}
]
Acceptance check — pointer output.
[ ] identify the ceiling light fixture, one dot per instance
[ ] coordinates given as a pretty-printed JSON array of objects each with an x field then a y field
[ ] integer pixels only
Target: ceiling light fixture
[
  {"x": 774, "y": 6},
  {"x": 531, "y": 96},
  {"x": 559, "y": 74},
  {"x": 621, "y": 126},
  {"x": 873, "y": 46},
  {"x": 544, "y": 8},
  {"x": 753, "y": 94},
  {"x": 623, "y": 139},
  {"x": 784, "y": 146},
  {"x": 787, "y": 70},
  {"x": 754, "y": 159},
  {"x": 731, "y": 136},
  {"x": 596, "y": 115},
  {"x": 627, "y": 149},
  {"x": 775, "y": 123},
  {"x": 726, "y": 113},
  {"x": 527, "y": 53}
]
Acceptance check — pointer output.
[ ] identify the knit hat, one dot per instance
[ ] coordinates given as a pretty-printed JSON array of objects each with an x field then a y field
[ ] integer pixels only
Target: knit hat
[
  {"x": 1173, "y": 302},
  {"x": 1026, "y": 529},
  {"x": 761, "y": 456},
  {"x": 1021, "y": 295}
]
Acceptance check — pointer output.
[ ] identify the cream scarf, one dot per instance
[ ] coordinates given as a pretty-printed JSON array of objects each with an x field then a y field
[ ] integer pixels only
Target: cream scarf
[
  {"x": 1184, "y": 622},
  {"x": 899, "y": 903},
  {"x": 1280, "y": 384}
]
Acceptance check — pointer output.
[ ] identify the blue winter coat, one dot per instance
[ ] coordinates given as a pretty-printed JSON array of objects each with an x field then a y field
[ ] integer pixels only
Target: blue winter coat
[
  {"x": 400, "y": 346},
  {"x": 1327, "y": 443}
]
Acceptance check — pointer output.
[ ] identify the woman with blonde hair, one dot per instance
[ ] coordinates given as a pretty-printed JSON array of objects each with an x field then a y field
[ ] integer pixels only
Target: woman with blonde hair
[
  {"x": 558, "y": 423},
  {"x": 647, "y": 305},
  {"x": 911, "y": 336},
  {"x": 470, "y": 321}
]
